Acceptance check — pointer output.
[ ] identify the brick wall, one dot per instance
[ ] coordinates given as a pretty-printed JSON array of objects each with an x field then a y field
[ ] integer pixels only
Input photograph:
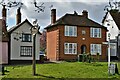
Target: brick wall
[
  {"x": 56, "y": 40},
  {"x": 52, "y": 43},
  {"x": 88, "y": 40}
]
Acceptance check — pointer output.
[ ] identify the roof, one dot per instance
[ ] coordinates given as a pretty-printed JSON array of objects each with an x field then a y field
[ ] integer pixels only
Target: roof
[
  {"x": 115, "y": 15},
  {"x": 104, "y": 17},
  {"x": 18, "y": 25},
  {"x": 75, "y": 20}
]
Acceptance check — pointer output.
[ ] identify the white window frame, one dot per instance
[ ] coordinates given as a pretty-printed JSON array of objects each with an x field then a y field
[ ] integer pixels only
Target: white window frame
[
  {"x": 26, "y": 37},
  {"x": 94, "y": 50},
  {"x": 94, "y": 34},
  {"x": 74, "y": 31},
  {"x": 67, "y": 48},
  {"x": 25, "y": 51}
]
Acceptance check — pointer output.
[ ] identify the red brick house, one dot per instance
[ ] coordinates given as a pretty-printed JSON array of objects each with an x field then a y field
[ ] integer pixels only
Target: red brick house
[{"x": 74, "y": 34}]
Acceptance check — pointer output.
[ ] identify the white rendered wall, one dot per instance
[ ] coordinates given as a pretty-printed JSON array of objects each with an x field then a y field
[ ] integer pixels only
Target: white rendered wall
[
  {"x": 113, "y": 29},
  {"x": 15, "y": 45}
]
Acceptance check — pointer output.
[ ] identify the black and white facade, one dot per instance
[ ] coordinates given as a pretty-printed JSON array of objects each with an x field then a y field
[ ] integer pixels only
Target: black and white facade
[
  {"x": 21, "y": 43},
  {"x": 112, "y": 22},
  {"x": 118, "y": 46}
]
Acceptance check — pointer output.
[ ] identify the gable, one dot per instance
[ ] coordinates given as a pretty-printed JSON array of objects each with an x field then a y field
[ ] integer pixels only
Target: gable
[
  {"x": 107, "y": 19},
  {"x": 111, "y": 25},
  {"x": 25, "y": 28},
  {"x": 23, "y": 25},
  {"x": 116, "y": 18}
]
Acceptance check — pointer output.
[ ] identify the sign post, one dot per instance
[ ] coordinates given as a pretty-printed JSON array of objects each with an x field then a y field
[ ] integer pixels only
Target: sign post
[
  {"x": 108, "y": 43},
  {"x": 34, "y": 31},
  {"x": 109, "y": 50},
  {"x": 108, "y": 53}
]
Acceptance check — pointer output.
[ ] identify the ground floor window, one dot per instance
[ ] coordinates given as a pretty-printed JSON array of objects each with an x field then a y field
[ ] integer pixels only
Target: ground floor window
[
  {"x": 26, "y": 51},
  {"x": 70, "y": 48},
  {"x": 95, "y": 48}
]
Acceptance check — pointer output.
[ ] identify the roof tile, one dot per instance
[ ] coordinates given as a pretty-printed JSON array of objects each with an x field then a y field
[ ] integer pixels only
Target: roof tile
[
  {"x": 116, "y": 17},
  {"x": 77, "y": 20}
]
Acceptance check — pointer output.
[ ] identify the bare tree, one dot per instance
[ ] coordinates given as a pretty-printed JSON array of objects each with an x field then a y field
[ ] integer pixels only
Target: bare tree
[{"x": 112, "y": 5}]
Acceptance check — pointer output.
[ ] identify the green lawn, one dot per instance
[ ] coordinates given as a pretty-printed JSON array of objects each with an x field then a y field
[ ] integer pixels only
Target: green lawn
[{"x": 62, "y": 70}]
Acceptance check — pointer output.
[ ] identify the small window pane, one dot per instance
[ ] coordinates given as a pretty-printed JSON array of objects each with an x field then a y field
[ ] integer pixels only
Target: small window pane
[
  {"x": 66, "y": 30},
  {"x": 26, "y": 51},
  {"x": 70, "y": 48},
  {"x": 70, "y": 31},
  {"x": 96, "y": 32},
  {"x": 95, "y": 48},
  {"x": 26, "y": 37}
]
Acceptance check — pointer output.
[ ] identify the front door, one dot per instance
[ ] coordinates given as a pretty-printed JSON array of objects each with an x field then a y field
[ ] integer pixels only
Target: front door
[{"x": 83, "y": 49}]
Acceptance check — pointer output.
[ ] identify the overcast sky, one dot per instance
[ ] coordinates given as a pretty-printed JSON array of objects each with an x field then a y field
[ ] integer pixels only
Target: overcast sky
[{"x": 95, "y": 10}]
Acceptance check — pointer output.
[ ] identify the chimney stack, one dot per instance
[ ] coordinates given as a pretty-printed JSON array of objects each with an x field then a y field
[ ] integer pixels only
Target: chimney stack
[
  {"x": 4, "y": 11},
  {"x": 85, "y": 13},
  {"x": 4, "y": 27},
  {"x": 18, "y": 16},
  {"x": 53, "y": 16}
]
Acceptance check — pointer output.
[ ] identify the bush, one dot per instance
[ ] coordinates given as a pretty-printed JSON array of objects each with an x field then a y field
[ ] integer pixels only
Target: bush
[
  {"x": 84, "y": 57},
  {"x": 98, "y": 57},
  {"x": 89, "y": 58}
]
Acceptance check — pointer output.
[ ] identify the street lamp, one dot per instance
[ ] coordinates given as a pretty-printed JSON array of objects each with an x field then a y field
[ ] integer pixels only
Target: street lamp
[{"x": 34, "y": 31}]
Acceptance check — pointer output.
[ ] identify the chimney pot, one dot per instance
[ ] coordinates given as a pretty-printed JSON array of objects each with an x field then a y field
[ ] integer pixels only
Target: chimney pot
[
  {"x": 85, "y": 13},
  {"x": 18, "y": 16},
  {"x": 53, "y": 16},
  {"x": 4, "y": 11}
]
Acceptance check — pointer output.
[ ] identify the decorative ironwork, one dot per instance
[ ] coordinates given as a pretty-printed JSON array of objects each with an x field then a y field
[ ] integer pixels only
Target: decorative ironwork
[
  {"x": 39, "y": 8},
  {"x": 14, "y": 4},
  {"x": 11, "y": 4},
  {"x": 112, "y": 5},
  {"x": 51, "y": 6},
  {"x": 108, "y": 6}
]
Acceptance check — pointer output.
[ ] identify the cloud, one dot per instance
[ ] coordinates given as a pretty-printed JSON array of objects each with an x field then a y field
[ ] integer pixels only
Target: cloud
[
  {"x": 85, "y": 1},
  {"x": 95, "y": 9}
]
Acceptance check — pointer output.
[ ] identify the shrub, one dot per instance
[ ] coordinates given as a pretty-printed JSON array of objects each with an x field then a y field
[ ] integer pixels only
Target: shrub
[
  {"x": 98, "y": 56},
  {"x": 89, "y": 58}
]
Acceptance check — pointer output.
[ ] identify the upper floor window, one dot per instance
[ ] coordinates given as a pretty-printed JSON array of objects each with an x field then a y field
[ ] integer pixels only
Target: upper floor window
[
  {"x": 95, "y": 32},
  {"x": 95, "y": 48},
  {"x": 70, "y": 48},
  {"x": 70, "y": 31},
  {"x": 26, "y": 37}
]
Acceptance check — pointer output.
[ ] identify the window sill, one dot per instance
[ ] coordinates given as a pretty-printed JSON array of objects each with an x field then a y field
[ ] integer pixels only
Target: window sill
[
  {"x": 25, "y": 56},
  {"x": 96, "y": 37},
  {"x": 26, "y": 41},
  {"x": 95, "y": 55},
  {"x": 70, "y": 54},
  {"x": 71, "y": 36}
]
